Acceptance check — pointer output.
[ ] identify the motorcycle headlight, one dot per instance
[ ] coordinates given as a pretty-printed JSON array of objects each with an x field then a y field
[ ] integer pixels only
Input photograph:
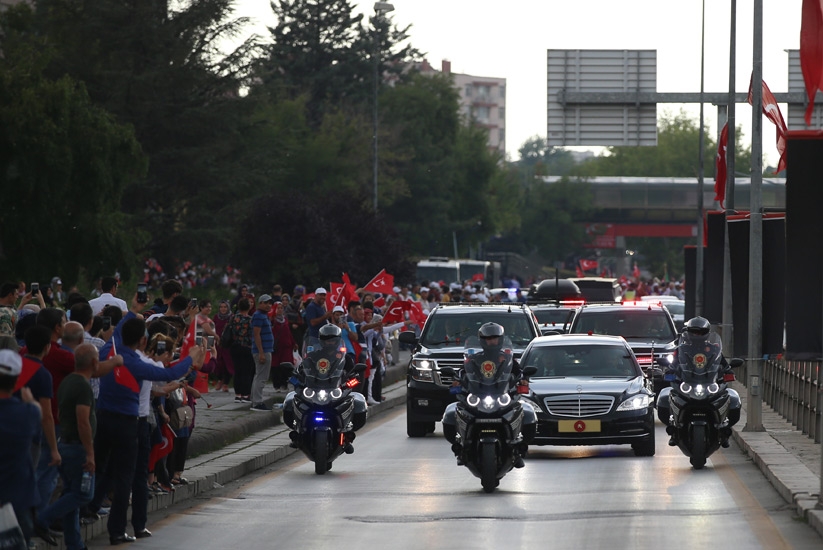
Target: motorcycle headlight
[
  {"x": 322, "y": 396},
  {"x": 336, "y": 393},
  {"x": 699, "y": 390},
  {"x": 308, "y": 393},
  {"x": 713, "y": 388},
  {"x": 685, "y": 388},
  {"x": 488, "y": 402},
  {"x": 472, "y": 400},
  {"x": 504, "y": 400},
  {"x": 635, "y": 403},
  {"x": 422, "y": 370}
]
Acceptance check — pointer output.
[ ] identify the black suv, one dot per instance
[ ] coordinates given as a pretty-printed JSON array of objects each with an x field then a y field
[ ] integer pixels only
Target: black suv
[
  {"x": 441, "y": 345},
  {"x": 646, "y": 326}
]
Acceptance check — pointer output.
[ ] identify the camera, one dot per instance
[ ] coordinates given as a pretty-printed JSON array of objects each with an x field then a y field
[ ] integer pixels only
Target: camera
[
  {"x": 142, "y": 296},
  {"x": 35, "y": 289},
  {"x": 106, "y": 323},
  {"x": 193, "y": 302},
  {"x": 210, "y": 341},
  {"x": 161, "y": 347}
]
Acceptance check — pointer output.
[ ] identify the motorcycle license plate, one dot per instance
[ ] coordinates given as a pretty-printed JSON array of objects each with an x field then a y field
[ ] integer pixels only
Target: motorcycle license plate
[{"x": 578, "y": 426}]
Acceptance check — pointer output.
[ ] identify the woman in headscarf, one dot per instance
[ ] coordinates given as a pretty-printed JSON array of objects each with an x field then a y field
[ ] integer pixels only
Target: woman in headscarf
[
  {"x": 225, "y": 367},
  {"x": 284, "y": 348}
]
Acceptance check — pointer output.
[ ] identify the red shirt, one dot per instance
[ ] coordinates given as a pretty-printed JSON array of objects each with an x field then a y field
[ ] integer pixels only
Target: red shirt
[{"x": 60, "y": 363}]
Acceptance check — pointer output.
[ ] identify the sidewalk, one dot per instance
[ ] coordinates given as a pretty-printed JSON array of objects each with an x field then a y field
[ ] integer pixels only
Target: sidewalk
[{"x": 230, "y": 441}]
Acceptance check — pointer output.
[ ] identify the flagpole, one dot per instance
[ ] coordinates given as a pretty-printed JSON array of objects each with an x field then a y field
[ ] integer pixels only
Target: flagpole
[
  {"x": 728, "y": 309},
  {"x": 698, "y": 286},
  {"x": 754, "y": 411}
]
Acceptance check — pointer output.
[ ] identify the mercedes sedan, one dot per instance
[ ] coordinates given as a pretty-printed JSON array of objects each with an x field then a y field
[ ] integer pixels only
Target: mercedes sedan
[{"x": 590, "y": 390}]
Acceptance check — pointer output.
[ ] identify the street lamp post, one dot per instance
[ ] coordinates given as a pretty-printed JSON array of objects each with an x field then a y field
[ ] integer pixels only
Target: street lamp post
[{"x": 380, "y": 9}]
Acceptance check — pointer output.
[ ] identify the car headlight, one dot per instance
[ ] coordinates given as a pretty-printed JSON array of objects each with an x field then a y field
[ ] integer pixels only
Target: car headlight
[
  {"x": 422, "y": 370},
  {"x": 635, "y": 403}
]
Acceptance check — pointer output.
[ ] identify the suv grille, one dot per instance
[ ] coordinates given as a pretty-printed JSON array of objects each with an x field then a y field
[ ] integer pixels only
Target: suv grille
[
  {"x": 453, "y": 363},
  {"x": 578, "y": 406}
]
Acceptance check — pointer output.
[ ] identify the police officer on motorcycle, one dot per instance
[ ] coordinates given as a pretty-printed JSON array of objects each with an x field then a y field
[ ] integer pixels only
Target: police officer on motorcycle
[{"x": 699, "y": 327}]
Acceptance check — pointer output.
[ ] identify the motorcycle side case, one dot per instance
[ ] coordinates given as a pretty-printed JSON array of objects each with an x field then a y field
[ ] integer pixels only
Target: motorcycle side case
[
  {"x": 450, "y": 422},
  {"x": 361, "y": 411},
  {"x": 663, "y": 408},
  {"x": 734, "y": 407},
  {"x": 288, "y": 410}
]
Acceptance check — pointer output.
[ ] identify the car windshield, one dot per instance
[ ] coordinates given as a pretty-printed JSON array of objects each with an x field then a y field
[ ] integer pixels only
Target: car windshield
[
  {"x": 581, "y": 360},
  {"x": 628, "y": 323},
  {"x": 675, "y": 306},
  {"x": 452, "y": 329},
  {"x": 552, "y": 316}
]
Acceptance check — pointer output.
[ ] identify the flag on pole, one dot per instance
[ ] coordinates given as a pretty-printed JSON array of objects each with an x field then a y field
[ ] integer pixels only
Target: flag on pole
[
  {"x": 382, "y": 283},
  {"x": 720, "y": 166},
  {"x": 201, "y": 382},
  {"x": 163, "y": 448},
  {"x": 772, "y": 112},
  {"x": 588, "y": 265}
]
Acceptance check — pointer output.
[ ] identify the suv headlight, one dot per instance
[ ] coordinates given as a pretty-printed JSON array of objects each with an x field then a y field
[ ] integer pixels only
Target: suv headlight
[
  {"x": 422, "y": 370},
  {"x": 635, "y": 403}
]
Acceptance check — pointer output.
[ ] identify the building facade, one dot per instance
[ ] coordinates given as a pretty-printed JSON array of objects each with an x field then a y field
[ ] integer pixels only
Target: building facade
[{"x": 482, "y": 100}]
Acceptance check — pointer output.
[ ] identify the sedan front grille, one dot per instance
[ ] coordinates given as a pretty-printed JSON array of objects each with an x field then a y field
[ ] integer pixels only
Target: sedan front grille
[{"x": 579, "y": 406}]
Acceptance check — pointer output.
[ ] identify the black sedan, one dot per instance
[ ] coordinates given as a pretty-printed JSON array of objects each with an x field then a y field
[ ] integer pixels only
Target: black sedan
[{"x": 589, "y": 390}]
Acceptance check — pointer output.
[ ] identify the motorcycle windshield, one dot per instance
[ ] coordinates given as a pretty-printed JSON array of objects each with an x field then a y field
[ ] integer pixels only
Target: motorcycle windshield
[
  {"x": 488, "y": 371},
  {"x": 324, "y": 363},
  {"x": 698, "y": 357}
]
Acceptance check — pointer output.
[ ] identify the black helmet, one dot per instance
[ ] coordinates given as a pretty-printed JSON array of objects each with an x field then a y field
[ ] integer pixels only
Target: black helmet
[
  {"x": 698, "y": 326},
  {"x": 487, "y": 331},
  {"x": 329, "y": 333}
]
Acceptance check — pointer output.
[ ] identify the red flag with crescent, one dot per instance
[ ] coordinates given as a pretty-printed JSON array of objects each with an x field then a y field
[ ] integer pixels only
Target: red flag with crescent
[
  {"x": 163, "y": 448},
  {"x": 382, "y": 283}
]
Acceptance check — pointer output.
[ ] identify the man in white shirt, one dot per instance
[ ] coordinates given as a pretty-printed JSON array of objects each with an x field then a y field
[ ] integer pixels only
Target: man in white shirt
[{"x": 108, "y": 298}]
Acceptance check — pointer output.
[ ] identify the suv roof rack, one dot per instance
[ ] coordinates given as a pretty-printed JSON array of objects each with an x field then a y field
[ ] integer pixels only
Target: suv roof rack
[{"x": 517, "y": 305}]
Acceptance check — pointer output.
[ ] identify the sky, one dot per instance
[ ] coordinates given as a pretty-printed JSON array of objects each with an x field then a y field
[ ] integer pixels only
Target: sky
[{"x": 509, "y": 39}]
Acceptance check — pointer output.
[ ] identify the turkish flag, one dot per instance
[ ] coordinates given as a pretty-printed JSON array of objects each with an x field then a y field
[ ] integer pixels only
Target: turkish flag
[
  {"x": 380, "y": 302},
  {"x": 382, "y": 283},
  {"x": 416, "y": 313},
  {"x": 578, "y": 271},
  {"x": 720, "y": 166},
  {"x": 395, "y": 313},
  {"x": 477, "y": 277},
  {"x": 122, "y": 375},
  {"x": 190, "y": 339},
  {"x": 588, "y": 265},
  {"x": 163, "y": 448},
  {"x": 636, "y": 271},
  {"x": 811, "y": 51},
  {"x": 772, "y": 112},
  {"x": 336, "y": 295}
]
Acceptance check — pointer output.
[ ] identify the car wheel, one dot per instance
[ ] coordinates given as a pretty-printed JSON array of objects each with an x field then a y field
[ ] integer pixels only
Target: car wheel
[{"x": 417, "y": 429}]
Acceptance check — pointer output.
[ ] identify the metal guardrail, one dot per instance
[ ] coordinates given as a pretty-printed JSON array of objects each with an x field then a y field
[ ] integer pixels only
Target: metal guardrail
[{"x": 794, "y": 389}]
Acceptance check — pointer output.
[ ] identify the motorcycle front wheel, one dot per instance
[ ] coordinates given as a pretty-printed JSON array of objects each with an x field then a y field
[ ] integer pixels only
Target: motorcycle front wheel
[
  {"x": 698, "y": 450},
  {"x": 321, "y": 452},
  {"x": 488, "y": 466}
]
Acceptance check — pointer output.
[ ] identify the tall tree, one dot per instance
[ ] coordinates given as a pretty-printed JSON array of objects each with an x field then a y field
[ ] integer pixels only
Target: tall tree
[{"x": 64, "y": 163}]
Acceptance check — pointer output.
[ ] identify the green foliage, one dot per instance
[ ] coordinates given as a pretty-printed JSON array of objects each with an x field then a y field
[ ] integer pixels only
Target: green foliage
[{"x": 68, "y": 162}]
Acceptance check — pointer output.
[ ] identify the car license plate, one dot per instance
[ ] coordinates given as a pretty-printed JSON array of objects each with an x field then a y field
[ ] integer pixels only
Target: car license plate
[{"x": 578, "y": 426}]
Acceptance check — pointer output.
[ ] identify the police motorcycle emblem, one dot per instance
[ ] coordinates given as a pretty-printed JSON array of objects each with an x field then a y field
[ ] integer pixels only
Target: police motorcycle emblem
[
  {"x": 323, "y": 366},
  {"x": 700, "y": 361},
  {"x": 488, "y": 369}
]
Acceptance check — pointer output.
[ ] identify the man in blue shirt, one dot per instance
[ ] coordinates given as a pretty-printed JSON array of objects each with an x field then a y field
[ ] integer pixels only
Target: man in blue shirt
[
  {"x": 316, "y": 315},
  {"x": 262, "y": 345},
  {"x": 115, "y": 444}
]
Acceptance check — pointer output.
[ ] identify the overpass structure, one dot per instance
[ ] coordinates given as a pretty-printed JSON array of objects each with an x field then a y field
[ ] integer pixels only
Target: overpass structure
[{"x": 660, "y": 207}]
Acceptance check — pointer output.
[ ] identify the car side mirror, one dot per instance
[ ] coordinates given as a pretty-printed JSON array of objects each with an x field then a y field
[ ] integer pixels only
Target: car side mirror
[
  {"x": 408, "y": 337},
  {"x": 736, "y": 362},
  {"x": 531, "y": 370}
]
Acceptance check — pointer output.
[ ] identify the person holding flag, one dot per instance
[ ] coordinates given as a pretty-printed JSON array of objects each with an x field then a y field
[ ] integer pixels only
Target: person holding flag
[{"x": 115, "y": 445}]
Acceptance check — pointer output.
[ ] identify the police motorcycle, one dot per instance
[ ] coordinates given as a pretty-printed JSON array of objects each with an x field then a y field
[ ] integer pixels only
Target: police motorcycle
[
  {"x": 699, "y": 409},
  {"x": 324, "y": 411},
  {"x": 488, "y": 426}
]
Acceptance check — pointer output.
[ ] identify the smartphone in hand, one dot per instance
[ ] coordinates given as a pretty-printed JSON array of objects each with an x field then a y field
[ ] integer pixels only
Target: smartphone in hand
[{"x": 142, "y": 293}]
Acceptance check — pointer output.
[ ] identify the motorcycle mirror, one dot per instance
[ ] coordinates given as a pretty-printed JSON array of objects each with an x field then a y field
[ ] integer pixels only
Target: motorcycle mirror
[
  {"x": 360, "y": 368},
  {"x": 736, "y": 362}
]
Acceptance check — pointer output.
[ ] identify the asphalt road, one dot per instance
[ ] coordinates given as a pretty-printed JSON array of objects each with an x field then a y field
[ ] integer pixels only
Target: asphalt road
[{"x": 401, "y": 493}]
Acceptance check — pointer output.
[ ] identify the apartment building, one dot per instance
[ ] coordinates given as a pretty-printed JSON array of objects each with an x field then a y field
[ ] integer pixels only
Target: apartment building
[{"x": 482, "y": 100}]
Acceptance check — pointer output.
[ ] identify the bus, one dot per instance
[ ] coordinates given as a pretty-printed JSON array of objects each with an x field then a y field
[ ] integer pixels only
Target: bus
[{"x": 459, "y": 271}]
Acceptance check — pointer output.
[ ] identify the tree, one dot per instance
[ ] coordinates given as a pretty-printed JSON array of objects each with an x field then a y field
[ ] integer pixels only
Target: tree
[
  {"x": 67, "y": 162},
  {"x": 313, "y": 242}
]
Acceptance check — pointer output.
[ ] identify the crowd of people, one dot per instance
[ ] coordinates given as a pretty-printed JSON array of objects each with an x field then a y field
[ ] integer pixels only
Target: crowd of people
[{"x": 90, "y": 387}]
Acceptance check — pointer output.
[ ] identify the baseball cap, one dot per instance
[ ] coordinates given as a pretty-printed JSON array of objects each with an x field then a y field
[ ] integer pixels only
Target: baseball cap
[
  {"x": 396, "y": 289},
  {"x": 320, "y": 290},
  {"x": 338, "y": 308},
  {"x": 424, "y": 289},
  {"x": 11, "y": 364},
  {"x": 265, "y": 298}
]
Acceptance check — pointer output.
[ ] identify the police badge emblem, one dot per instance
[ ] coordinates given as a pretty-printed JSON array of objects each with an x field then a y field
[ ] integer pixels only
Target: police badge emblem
[
  {"x": 488, "y": 369},
  {"x": 700, "y": 361},
  {"x": 323, "y": 366}
]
